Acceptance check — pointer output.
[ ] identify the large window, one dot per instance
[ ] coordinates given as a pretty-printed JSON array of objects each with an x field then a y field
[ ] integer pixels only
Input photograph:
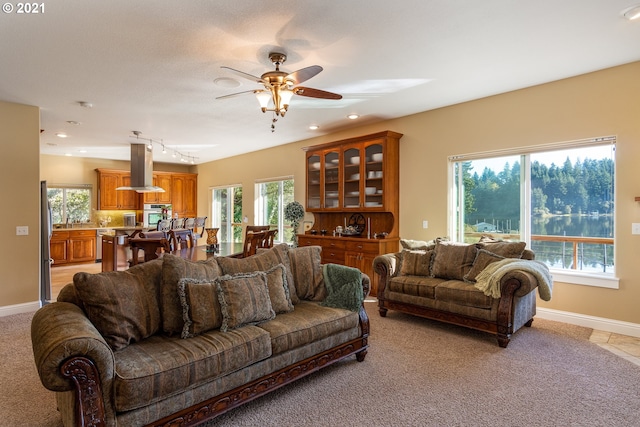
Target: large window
[
  {"x": 271, "y": 199},
  {"x": 226, "y": 213},
  {"x": 70, "y": 203},
  {"x": 559, "y": 198}
]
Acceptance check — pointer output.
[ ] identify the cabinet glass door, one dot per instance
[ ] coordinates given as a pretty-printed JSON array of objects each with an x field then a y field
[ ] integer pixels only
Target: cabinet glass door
[
  {"x": 331, "y": 180},
  {"x": 351, "y": 173},
  {"x": 313, "y": 181},
  {"x": 374, "y": 175}
]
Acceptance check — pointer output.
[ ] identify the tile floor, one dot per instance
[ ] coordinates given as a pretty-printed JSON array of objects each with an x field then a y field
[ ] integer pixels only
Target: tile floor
[{"x": 621, "y": 345}]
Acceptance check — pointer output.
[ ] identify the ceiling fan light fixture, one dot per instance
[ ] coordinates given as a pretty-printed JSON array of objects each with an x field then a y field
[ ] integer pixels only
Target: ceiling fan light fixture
[
  {"x": 263, "y": 98},
  {"x": 632, "y": 13},
  {"x": 285, "y": 97}
]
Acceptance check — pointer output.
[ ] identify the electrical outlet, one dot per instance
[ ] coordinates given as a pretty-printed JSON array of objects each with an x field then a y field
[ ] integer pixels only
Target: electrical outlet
[
  {"x": 635, "y": 228},
  {"x": 22, "y": 230},
  {"x": 425, "y": 223}
]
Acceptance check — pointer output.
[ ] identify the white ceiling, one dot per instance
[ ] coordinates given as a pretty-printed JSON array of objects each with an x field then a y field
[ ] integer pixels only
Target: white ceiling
[{"x": 150, "y": 66}]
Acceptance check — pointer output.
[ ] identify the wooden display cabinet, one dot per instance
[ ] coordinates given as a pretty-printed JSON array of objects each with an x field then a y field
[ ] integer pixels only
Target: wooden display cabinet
[
  {"x": 184, "y": 190},
  {"x": 354, "y": 182},
  {"x": 162, "y": 180}
]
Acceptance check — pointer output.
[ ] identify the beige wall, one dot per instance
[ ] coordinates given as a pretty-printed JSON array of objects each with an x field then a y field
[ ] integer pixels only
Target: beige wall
[
  {"x": 596, "y": 104},
  {"x": 20, "y": 195}
]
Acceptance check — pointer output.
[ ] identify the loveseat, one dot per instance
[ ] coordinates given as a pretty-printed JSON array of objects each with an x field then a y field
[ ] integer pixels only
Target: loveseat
[
  {"x": 175, "y": 342},
  {"x": 489, "y": 286}
]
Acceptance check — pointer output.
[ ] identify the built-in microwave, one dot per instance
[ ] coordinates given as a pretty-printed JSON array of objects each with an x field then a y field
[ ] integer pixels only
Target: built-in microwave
[{"x": 153, "y": 213}]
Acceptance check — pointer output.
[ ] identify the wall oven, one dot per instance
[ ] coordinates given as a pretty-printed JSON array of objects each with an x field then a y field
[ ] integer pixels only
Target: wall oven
[{"x": 153, "y": 213}]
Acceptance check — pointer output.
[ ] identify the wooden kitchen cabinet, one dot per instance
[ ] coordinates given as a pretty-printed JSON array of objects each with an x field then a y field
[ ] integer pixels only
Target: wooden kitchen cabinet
[
  {"x": 111, "y": 199},
  {"x": 73, "y": 246},
  {"x": 162, "y": 180},
  {"x": 184, "y": 194}
]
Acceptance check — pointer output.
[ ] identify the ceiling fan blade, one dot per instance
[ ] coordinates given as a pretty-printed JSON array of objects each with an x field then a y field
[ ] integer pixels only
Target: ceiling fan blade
[
  {"x": 315, "y": 93},
  {"x": 231, "y": 95},
  {"x": 245, "y": 75},
  {"x": 304, "y": 74}
]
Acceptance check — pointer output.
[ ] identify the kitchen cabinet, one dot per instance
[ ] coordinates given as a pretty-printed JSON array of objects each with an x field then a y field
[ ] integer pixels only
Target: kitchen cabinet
[
  {"x": 162, "y": 180},
  {"x": 184, "y": 198},
  {"x": 73, "y": 246},
  {"x": 358, "y": 252},
  {"x": 111, "y": 199}
]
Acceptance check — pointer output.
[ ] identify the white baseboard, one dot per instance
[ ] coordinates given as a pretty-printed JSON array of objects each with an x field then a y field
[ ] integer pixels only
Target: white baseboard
[
  {"x": 597, "y": 323},
  {"x": 26, "y": 307}
]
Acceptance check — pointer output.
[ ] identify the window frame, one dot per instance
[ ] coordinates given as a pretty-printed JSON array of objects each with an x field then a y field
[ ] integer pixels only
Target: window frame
[
  {"x": 579, "y": 277},
  {"x": 65, "y": 188},
  {"x": 215, "y": 210},
  {"x": 260, "y": 208}
]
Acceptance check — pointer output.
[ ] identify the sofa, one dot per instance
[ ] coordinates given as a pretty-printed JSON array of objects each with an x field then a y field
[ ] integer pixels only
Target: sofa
[
  {"x": 489, "y": 286},
  {"x": 174, "y": 342}
]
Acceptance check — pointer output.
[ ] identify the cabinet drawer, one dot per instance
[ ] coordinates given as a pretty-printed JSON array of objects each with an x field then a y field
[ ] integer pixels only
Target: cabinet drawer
[
  {"x": 305, "y": 241},
  {"x": 59, "y": 235},
  {"x": 333, "y": 244},
  {"x": 82, "y": 233},
  {"x": 332, "y": 256},
  {"x": 371, "y": 247}
]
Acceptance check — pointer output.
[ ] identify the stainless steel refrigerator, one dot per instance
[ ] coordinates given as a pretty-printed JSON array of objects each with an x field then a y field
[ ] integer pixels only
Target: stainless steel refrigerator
[{"x": 46, "y": 228}]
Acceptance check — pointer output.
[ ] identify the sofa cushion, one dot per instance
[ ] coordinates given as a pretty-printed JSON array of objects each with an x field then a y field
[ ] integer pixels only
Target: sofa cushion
[
  {"x": 462, "y": 293},
  {"x": 307, "y": 272},
  {"x": 162, "y": 366},
  {"x": 419, "y": 286},
  {"x": 452, "y": 260},
  {"x": 483, "y": 258},
  {"x": 122, "y": 305},
  {"x": 502, "y": 248},
  {"x": 200, "y": 306},
  {"x": 416, "y": 263},
  {"x": 279, "y": 289},
  {"x": 308, "y": 323},
  {"x": 419, "y": 245},
  {"x": 175, "y": 268},
  {"x": 262, "y": 261},
  {"x": 244, "y": 300}
]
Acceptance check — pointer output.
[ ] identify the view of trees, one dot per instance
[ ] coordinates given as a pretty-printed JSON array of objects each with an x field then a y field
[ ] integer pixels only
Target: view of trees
[
  {"x": 583, "y": 187},
  {"x": 73, "y": 204}
]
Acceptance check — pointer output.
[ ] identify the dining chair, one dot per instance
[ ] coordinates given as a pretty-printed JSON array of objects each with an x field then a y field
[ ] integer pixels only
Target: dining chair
[
  {"x": 151, "y": 246},
  {"x": 252, "y": 241},
  {"x": 198, "y": 228},
  {"x": 181, "y": 238}
]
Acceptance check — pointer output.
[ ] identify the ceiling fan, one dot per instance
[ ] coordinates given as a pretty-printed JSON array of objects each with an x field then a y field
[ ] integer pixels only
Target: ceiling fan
[{"x": 280, "y": 86}]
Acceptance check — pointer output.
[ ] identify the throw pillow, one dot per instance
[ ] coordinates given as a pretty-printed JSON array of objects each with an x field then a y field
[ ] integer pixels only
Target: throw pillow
[
  {"x": 262, "y": 262},
  {"x": 201, "y": 310},
  {"x": 306, "y": 269},
  {"x": 344, "y": 287},
  {"x": 453, "y": 260},
  {"x": 418, "y": 245},
  {"x": 244, "y": 300},
  {"x": 416, "y": 263},
  {"x": 502, "y": 248},
  {"x": 175, "y": 268},
  {"x": 483, "y": 258},
  {"x": 279, "y": 289},
  {"x": 122, "y": 305}
]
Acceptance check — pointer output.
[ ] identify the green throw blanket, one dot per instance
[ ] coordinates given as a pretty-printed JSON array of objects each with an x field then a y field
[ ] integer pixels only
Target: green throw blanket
[
  {"x": 344, "y": 287},
  {"x": 488, "y": 280}
]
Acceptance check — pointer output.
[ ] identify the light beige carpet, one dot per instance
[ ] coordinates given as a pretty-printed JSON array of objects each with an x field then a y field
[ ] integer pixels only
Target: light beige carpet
[{"x": 417, "y": 373}]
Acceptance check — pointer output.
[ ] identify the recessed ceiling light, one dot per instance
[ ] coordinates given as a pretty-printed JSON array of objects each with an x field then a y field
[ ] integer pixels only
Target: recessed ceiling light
[
  {"x": 352, "y": 116},
  {"x": 314, "y": 127},
  {"x": 85, "y": 104},
  {"x": 68, "y": 154},
  {"x": 82, "y": 151},
  {"x": 51, "y": 144},
  {"x": 632, "y": 12},
  {"x": 61, "y": 135},
  {"x": 73, "y": 122}
]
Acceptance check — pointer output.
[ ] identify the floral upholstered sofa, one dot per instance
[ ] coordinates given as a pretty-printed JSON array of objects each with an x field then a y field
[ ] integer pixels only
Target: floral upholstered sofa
[
  {"x": 175, "y": 342},
  {"x": 489, "y": 286}
]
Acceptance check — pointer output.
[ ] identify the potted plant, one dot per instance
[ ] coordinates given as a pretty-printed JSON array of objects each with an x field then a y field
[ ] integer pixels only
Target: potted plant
[{"x": 294, "y": 212}]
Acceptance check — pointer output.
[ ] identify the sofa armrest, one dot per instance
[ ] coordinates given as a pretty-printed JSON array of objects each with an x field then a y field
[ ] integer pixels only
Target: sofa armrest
[
  {"x": 528, "y": 282},
  {"x": 59, "y": 331},
  {"x": 366, "y": 285},
  {"x": 385, "y": 266}
]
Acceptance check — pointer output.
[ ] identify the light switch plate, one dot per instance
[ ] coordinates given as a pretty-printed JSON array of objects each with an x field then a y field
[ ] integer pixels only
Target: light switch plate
[
  {"x": 425, "y": 223},
  {"x": 635, "y": 228},
  {"x": 22, "y": 230}
]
